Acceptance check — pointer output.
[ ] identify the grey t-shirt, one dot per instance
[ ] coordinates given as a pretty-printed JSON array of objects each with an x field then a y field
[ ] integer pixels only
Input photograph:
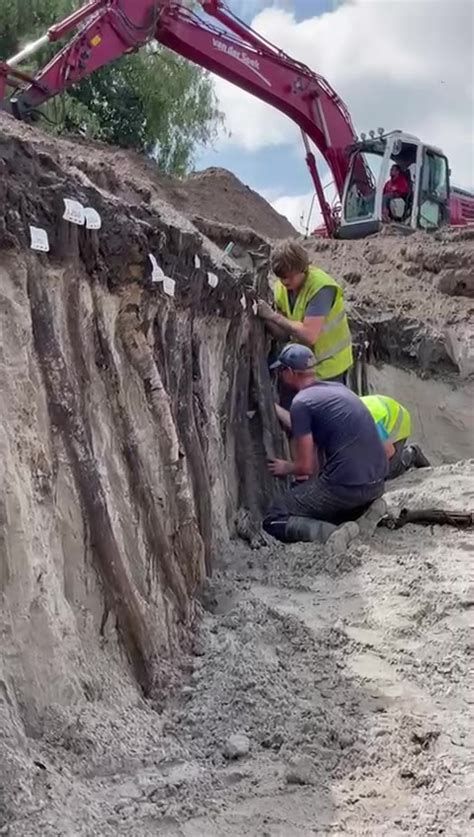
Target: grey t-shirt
[
  {"x": 319, "y": 305},
  {"x": 345, "y": 432}
]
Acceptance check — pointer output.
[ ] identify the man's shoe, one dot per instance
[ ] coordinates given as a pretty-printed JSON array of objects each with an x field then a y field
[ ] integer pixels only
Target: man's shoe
[
  {"x": 369, "y": 521},
  {"x": 418, "y": 458},
  {"x": 340, "y": 540}
]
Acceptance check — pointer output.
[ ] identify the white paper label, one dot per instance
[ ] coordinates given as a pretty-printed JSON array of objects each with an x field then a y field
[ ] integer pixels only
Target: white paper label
[
  {"x": 93, "y": 219},
  {"x": 73, "y": 212},
  {"x": 169, "y": 286},
  {"x": 157, "y": 274},
  {"x": 212, "y": 280},
  {"x": 243, "y": 301},
  {"x": 255, "y": 307},
  {"x": 39, "y": 239},
  {"x": 197, "y": 262}
]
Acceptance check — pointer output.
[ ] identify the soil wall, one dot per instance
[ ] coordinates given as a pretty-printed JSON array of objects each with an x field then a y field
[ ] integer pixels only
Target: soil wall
[{"x": 134, "y": 428}]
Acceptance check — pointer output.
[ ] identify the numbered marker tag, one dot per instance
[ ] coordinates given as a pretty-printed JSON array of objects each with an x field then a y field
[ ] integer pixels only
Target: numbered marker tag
[
  {"x": 243, "y": 301},
  {"x": 212, "y": 280},
  {"x": 169, "y": 286},
  {"x": 93, "y": 219},
  {"x": 197, "y": 262},
  {"x": 74, "y": 212},
  {"x": 255, "y": 307},
  {"x": 157, "y": 274},
  {"x": 39, "y": 239}
]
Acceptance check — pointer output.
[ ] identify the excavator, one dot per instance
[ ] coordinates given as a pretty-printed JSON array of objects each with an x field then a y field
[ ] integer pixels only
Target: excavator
[{"x": 103, "y": 30}]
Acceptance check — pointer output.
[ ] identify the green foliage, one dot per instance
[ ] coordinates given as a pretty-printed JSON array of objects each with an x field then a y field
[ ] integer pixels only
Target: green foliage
[{"x": 153, "y": 101}]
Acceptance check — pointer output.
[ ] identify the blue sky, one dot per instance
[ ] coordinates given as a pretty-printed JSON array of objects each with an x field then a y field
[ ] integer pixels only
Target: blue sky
[
  {"x": 257, "y": 168},
  {"x": 395, "y": 63}
]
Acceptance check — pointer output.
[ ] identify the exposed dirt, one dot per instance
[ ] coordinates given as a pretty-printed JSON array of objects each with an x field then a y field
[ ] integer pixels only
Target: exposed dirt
[
  {"x": 416, "y": 291},
  {"x": 214, "y": 194},
  {"x": 346, "y": 679}
]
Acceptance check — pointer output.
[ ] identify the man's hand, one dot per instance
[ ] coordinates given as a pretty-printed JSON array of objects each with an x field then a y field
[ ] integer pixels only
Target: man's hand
[
  {"x": 264, "y": 310},
  {"x": 280, "y": 467}
]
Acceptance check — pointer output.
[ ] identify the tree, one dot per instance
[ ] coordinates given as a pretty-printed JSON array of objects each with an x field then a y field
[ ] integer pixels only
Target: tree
[{"x": 153, "y": 101}]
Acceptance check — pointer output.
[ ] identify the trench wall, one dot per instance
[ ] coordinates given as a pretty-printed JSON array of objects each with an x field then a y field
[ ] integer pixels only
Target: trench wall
[{"x": 134, "y": 428}]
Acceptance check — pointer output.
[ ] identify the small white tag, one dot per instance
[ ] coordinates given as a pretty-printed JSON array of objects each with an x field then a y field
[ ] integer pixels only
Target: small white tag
[
  {"x": 212, "y": 279},
  {"x": 169, "y": 285},
  {"x": 39, "y": 239},
  {"x": 243, "y": 301},
  {"x": 197, "y": 262},
  {"x": 73, "y": 212},
  {"x": 93, "y": 219},
  {"x": 157, "y": 274},
  {"x": 255, "y": 307},
  {"x": 251, "y": 413}
]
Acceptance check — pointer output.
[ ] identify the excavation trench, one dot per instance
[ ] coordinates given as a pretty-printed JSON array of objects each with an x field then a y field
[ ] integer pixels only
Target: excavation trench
[{"x": 135, "y": 431}]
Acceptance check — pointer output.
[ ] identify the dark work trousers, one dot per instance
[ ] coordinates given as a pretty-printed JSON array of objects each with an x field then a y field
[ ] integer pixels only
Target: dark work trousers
[{"x": 316, "y": 499}]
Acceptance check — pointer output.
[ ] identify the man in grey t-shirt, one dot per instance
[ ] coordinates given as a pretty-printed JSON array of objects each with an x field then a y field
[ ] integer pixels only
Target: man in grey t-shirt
[{"x": 335, "y": 444}]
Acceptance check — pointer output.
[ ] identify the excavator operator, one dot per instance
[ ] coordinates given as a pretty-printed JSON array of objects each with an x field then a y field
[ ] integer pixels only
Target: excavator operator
[
  {"x": 310, "y": 310},
  {"x": 396, "y": 187}
]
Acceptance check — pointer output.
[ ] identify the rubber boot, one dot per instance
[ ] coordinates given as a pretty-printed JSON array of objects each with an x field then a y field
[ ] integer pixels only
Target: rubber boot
[
  {"x": 415, "y": 457},
  {"x": 306, "y": 530}
]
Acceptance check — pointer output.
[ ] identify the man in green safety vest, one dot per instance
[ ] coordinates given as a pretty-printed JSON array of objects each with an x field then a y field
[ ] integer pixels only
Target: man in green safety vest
[
  {"x": 393, "y": 423},
  {"x": 309, "y": 310}
]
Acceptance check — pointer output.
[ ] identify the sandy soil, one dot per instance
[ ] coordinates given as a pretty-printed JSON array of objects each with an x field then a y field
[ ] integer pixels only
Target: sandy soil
[
  {"x": 215, "y": 194},
  {"x": 347, "y": 676},
  {"x": 420, "y": 282}
]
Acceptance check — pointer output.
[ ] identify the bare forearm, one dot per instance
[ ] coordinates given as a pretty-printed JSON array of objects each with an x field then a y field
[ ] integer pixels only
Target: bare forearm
[{"x": 299, "y": 331}]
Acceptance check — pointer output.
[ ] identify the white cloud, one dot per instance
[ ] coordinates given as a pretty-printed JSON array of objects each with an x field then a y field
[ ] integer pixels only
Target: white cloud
[
  {"x": 396, "y": 64},
  {"x": 301, "y": 210}
]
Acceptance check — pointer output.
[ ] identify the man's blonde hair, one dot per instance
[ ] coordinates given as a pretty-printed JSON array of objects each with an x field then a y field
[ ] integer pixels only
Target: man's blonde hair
[{"x": 289, "y": 257}]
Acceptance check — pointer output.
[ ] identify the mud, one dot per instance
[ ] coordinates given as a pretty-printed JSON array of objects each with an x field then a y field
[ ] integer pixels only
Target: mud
[{"x": 349, "y": 679}]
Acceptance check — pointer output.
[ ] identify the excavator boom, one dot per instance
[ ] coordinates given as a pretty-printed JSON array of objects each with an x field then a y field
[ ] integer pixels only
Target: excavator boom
[
  {"x": 220, "y": 43},
  {"x": 224, "y": 45}
]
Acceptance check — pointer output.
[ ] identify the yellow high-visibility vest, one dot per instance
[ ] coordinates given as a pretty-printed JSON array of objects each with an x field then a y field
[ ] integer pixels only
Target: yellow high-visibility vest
[
  {"x": 333, "y": 348},
  {"x": 390, "y": 416}
]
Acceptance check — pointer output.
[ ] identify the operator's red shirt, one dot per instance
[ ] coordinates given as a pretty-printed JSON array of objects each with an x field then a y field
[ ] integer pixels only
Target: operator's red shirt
[{"x": 397, "y": 186}]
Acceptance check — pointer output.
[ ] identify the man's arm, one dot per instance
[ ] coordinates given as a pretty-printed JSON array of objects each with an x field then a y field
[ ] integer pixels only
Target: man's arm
[
  {"x": 309, "y": 330},
  {"x": 303, "y": 463},
  {"x": 276, "y": 330},
  {"x": 389, "y": 448},
  {"x": 303, "y": 449}
]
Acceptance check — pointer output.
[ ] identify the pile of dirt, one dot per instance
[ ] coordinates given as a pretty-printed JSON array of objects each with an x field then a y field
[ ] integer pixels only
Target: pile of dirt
[
  {"x": 417, "y": 291},
  {"x": 214, "y": 194}
]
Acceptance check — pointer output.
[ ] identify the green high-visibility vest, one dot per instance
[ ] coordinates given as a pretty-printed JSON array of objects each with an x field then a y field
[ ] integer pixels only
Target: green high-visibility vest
[
  {"x": 333, "y": 348},
  {"x": 392, "y": 416}
]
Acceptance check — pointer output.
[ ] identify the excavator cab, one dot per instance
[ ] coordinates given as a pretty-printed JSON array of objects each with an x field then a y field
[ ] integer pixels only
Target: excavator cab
[{"x": 369, "y": 200}]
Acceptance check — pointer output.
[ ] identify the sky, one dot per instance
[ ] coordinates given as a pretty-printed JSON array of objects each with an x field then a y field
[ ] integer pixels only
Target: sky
[{"x": 406, "y": 64}]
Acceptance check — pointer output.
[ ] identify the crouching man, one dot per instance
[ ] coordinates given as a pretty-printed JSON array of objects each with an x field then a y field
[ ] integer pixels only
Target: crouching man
[
  {"x": 335, "y": 444},
  {"x": 393, "y": 423}
]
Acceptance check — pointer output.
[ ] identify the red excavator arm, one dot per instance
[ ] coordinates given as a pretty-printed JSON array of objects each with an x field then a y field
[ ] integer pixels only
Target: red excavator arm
[{"x": 110, "y": 28}]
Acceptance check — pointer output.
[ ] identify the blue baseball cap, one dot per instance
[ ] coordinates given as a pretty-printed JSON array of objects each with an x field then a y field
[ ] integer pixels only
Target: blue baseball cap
[{"x": 295, "y": 356}]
